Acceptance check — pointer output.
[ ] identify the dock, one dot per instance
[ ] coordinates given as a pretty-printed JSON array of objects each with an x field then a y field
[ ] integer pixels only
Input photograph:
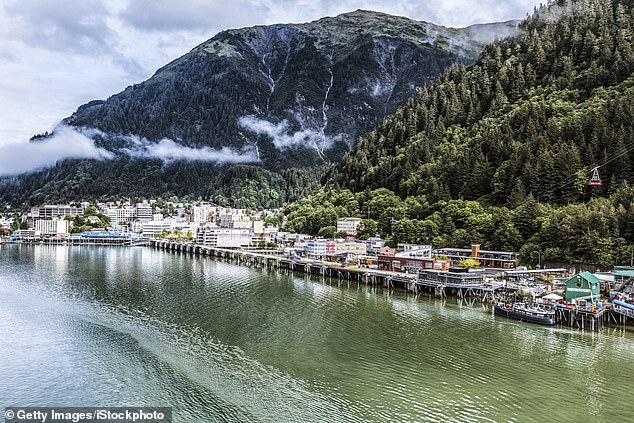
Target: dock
[
  {"x": 442, "y": 284},
  {"x": 278, "y": 261}
]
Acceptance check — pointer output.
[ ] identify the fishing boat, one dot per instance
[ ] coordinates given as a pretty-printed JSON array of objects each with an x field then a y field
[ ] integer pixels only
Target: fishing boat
[{"x": 526, "y": 313}]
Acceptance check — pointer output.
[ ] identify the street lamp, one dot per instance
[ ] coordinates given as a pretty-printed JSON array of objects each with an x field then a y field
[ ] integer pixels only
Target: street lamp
[{"x": 539, "y": 259}]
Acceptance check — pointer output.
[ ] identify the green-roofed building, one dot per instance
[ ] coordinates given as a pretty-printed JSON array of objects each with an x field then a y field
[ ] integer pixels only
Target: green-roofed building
[
  {"x": 584, "y": 286},
  {"x": 623, "y": 276}
]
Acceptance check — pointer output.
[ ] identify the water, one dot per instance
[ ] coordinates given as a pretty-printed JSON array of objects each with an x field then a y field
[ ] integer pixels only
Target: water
[{"x": 219, "y": 342}]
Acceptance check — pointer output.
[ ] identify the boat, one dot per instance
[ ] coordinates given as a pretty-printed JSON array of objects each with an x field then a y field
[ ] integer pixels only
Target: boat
[{"x": 526, "y": 312}]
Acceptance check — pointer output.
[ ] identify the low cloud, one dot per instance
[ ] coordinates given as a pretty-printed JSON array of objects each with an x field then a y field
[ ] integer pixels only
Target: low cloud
[
  {"x": 282, "y": 136},
  {"x": 78, "y": 143},
  {"x": 66, "y": 143},
  {"x": 170, "y": 151}
]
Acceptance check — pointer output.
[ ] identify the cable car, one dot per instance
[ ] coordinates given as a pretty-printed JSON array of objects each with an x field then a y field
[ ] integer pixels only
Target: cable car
[{"x": 595, "y": 181}]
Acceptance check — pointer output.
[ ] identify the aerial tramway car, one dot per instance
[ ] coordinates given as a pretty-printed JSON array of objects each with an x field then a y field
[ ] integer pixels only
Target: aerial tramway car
[{"x": 595, "y": 181}]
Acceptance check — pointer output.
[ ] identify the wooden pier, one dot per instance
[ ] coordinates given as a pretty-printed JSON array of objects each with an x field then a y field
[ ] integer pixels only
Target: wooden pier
[
  {"x": 324, "y": 269},
  {"x": 462, "y": 287}
]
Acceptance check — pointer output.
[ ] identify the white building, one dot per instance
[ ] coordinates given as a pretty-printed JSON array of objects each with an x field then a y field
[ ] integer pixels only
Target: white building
[
  {"x": 415, "y": 250},
  {"x": 349, "y": 225},
  {"x": 124, "y": 214},
  {"x": 357, "y": 248},
  {"x": 237, "y": 219},
  {"x": 52, "y": 227},
  {"x": 224, "y": 237},
  {"x": 153, "y": 227},
  {"x": 316, "y": 249},
  {"x": 143, "y": 212},
  {"x": 203, "y": 214}
]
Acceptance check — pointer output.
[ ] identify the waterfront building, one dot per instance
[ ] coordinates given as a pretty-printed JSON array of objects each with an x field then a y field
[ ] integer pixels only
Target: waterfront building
[
  {"x": 224, "y": 237},
  {"x": 317, "y": 249},
  {"x": 154, "y": 227},
  {"x": 453, "y": 278},
  {"x": 486, "y": 258},
  {"x": 356, "y": 248},
  {"x": 374, "y": 245},
  {"x": 349, "y": 225},
  {"x": 25, "y": 234},
  {"x": 52, "y": 227},
  {"x": 624, "y": 278},
  {"x": 415, "y": 250},
  {"x": 105, "y": 238},
  {"x": 584, "y": 286},
  {"x": 411, "y": 262}
]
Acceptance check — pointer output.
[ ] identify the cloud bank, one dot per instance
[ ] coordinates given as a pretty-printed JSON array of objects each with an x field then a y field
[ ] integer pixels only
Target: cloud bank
[
  {"x": 78, "y": 143},
  {"x": 67, "y": 143},
  {"x": 169, "y": 151}
]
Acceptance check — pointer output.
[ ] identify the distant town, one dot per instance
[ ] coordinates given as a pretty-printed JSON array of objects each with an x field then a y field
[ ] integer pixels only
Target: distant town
[
  {"x": 204, "y": 228},
  {"x": 126, "y": 223}
]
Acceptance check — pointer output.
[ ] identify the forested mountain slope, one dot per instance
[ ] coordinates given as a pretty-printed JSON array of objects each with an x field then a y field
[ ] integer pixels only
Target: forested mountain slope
[
  {"x": 532, "y": 116},
  {"x": 287, "y": 96},
  {"x": 500, "y": 153}
]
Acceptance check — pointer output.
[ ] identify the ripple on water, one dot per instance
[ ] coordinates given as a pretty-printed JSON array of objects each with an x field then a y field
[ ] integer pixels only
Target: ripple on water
[{"x": 233, "y": 343}]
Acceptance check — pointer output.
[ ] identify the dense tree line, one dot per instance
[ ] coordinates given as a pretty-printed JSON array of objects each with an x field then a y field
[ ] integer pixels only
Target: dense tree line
[
  {"x": 532, "y": 116},
  {"x": 599, "y": 232},
  {"x": 238, "y": 185},
  {"x": 499, "y": 153}
]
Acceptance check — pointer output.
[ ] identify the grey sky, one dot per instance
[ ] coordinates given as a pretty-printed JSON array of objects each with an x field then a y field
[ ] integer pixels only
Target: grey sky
[{"x": 58, "y": 54}]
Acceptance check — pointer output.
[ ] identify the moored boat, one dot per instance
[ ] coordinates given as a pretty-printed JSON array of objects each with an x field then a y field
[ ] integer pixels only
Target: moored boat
[{"x": 526, "y": 313}]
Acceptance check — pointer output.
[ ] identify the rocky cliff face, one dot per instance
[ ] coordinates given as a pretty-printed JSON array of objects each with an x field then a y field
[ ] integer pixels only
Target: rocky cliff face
[{"x": 313, "y": 87}]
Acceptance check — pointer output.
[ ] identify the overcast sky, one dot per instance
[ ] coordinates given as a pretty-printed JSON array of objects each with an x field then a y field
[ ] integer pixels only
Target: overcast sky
[{"x": 58, "y": 54}]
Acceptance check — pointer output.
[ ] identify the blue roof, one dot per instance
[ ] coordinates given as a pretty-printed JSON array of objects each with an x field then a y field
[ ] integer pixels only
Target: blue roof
[{"x": 100, "y": 234}]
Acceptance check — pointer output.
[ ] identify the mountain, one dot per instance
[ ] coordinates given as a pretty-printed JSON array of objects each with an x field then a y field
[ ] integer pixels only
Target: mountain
[
  {"x": 534, "y": 115},
  {"x": 500, "y": 153},
  {"x": 288, "y": 96}
]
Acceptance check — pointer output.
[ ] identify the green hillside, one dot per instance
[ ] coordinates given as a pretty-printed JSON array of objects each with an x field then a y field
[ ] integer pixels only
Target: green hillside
[{"x": 500, "y": 153}]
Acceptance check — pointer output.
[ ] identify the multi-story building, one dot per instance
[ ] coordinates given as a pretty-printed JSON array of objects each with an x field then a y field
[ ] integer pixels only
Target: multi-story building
[
  {"x": 203, "y": 214},
  {"x": 52, "y": 227},
  {"x": 349, "y": 225},
  {"x": 122, "y": 214},
  {"x": 54, "y": 211},
  {"x": 318, "y": 249},
  {"x": 143, "y": 212},
  {"x": 237, "y": 219},
  {"x": 356, "y": 248},
  {"x": 411, "y": 262},
  {"x": 154, "y": 228},
  {"x": 487, "y": 259},
  {"x": 224, "y": 237}
]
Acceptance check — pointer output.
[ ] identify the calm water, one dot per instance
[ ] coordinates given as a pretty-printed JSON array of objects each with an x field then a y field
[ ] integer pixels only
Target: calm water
[{"x": 220, "y": 342}]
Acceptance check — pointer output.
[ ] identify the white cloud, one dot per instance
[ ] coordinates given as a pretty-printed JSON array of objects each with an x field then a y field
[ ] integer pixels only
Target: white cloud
[
  {"x": 67, "y": 143},
  {"x": 169, "y": 151},
  {"x": 282, "y": 136}
]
